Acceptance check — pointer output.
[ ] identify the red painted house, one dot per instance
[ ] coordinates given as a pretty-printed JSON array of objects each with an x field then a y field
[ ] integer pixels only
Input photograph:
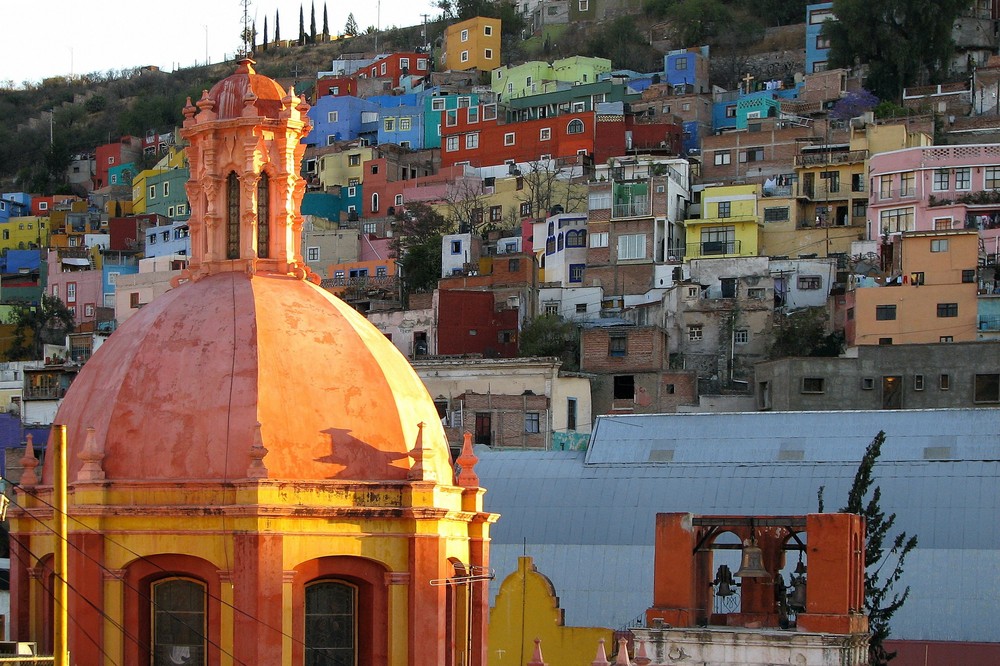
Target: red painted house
[
  {"x": 475, "y": 135},
  {"x": 127, "y": 233},
  {"x": 469, "y": 323},
  {"x": 616, "y": 135},
  {"x": 43, "y": 206},
  {"x": 336, "y": 86},
  {"x": 397, "y": 66},
  {"x": 124, "y": 150}
]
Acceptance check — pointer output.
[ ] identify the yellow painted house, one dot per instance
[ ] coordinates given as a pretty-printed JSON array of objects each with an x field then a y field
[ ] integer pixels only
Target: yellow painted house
[
  {"x": 346, "y": 168},
  {"x": 730, "y": 224},
  {"x": 175, "y": 158},
  {"x": 472, "y": 44},
  {"x": 527, "y": 608},
  {"x": 22, "y": 233}
]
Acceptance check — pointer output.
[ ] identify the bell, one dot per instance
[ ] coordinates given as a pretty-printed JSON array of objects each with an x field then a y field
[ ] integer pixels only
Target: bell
[
  {"x": 797, "y": 599},
  {"x": 724, "y": 582},
  {"x": 752, "y": 565}
]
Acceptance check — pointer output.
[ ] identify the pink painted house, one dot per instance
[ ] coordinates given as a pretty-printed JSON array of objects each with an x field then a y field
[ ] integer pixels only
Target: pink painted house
[
  {"x": 72, "y": 279},
  {"x": 937, "y": 188}
]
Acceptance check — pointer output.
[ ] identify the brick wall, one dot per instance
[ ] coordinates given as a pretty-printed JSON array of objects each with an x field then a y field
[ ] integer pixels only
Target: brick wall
[
  {"x": 508, "y": 418},
  {"x": 645, "y": 350}
]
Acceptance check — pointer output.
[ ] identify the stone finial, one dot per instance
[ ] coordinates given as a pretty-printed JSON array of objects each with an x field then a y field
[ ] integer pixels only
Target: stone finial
[
  {"x": 189, "y": 110},
  {"x": 601, "y": 659},
  {"x": 622, "y": 653},
  {"x": 92, "y": 456},
  {"x": 29, "y": 462},
  {"x": 206, "y": 104},
  {"x": 536, "y": 659},
  {"x": 467, "y": 461},
  {"x": 256, "y": 469},
  {"x": 249, "y": 102},
  {"x": 641, "y": 658},
  {"x": 417, "y": 470}
]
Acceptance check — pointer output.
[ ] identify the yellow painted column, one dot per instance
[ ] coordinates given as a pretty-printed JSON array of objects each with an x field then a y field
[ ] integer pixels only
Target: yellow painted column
[
  {"x": 226, "y": 618},
  {"x": 114, "y": 616},
  {"x": 399, "y": 617},
  {"x": 286, "y": 618},
  {"x": 36, "y": 592}
]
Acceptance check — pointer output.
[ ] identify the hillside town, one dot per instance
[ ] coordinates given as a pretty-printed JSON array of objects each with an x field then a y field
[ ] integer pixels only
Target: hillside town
[{"x": 636, "y": 301}]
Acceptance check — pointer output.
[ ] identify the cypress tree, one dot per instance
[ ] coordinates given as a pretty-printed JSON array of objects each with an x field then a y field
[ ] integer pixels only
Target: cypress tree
[
  {"x": 302, "y": 26},
  {"x": 326, "y": 25},
  {"x": 312, "y": 23},
  {"x": 263, "y": 47},
  {"x": 277, "y": 28}
]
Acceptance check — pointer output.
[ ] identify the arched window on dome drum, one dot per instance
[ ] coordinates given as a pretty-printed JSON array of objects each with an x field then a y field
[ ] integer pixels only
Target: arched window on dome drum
[
  {"x": 178, "y": 632},
  {"x": 232, "y": 216},
  {"x": 331, "y": 624},
  {"x": 263, "y": 216}
]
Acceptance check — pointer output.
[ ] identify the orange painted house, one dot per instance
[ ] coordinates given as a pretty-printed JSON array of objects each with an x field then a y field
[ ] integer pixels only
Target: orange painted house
[{"x": 930, "y": 297}]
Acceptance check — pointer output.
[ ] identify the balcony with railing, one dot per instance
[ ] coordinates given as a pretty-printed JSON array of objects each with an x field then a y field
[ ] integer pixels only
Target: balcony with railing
[
  {"x": 989, "y": 323},
  {"x": 825, "y": 157},
  {"x": 823, "y": 191},
  {"x": 713, "y": 249},
  {"x": 633, "y": 208}
]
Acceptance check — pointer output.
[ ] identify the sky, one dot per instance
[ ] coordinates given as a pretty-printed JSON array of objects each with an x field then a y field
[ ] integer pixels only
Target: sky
[{"x": 44, "y": 38}]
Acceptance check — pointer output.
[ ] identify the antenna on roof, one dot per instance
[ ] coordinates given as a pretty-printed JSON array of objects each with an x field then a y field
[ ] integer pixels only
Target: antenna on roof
[{"x": 247, "y": 33}]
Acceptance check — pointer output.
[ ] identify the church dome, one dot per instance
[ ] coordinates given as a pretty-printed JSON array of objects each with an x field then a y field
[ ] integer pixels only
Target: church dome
[
  {"x": 177, "y": 392},
  {"x": 230, "y": 93}
]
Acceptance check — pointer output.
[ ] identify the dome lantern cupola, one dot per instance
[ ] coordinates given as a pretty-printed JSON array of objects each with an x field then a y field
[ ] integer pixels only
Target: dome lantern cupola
[{"x": 245, "y": 149}]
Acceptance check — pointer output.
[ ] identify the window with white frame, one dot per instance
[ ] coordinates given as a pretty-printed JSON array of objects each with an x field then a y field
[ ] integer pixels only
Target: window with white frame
[
  {"x": 632, "y": 246},
  {"x": 599, "y": 239},
  {"x": 488, "y": 30},
  {"x": 331, "y": 139},
  {"x": 896, "y": 219},
  {"x": 421, "y": 64},
  {"x": 437, "y": 104},
  {"x": 352, "y": 191},
  {"x": 71, "y": 292},
  {"x": 723, "y": 157},
  {"x": 451, "y": 144},
  {"x": 464, "y": 57},
  {"x": 472, "y": 140},
  {"x": 404, "y": 63},
  {"x": 152, "y": 191},
  {"x": 963, "y": 178},
  {"x": 333, "y": 116},
  {"x": 405, "y": 123},
  {"x": 312, "y": 254},
  {"x": 488, "y": 54},
  {"x": 575, "y": 126},
  {"x": 465, "y": 36},
  {"x": 472, "y": 114},
  {"x": 398, "y": 200},
  {"x": 584, "y": 5},
  {"x": 741, "y": 336},
  {"x": 544, "y": 134},
  {"x": 375, "y": 202},
  {"x": 600, "y": 200},
  {"x": 451, "y": 118},
  {"x": 508, "y": 139},
  {"x": 695, "y": 332}
]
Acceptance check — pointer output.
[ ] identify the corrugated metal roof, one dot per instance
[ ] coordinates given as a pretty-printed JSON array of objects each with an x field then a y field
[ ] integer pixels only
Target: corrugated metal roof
[{"x": 588, "y": 519}]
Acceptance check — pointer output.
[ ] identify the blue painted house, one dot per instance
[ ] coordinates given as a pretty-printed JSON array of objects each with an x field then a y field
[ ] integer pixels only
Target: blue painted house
[
  {"x": 116, "y": 264},
  {"x": 687, "y": 70},
  {"x": 342, "y": 119},
  {"x": 401, "y": 120},
  {"x": 817, "y": 46},
  {"x": 14, "y": 204},
  {"x": 168, "y": 239}
]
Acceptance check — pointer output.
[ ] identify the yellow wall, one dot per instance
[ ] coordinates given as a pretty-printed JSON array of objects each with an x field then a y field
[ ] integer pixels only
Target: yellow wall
[
  {"x": 743, "y": 215},
  {"x": 527, "y": 608},
  {"x": 21, "y": 232},
  {"x": 476, "y": 45},
  {"x": 335, "y": 169}
]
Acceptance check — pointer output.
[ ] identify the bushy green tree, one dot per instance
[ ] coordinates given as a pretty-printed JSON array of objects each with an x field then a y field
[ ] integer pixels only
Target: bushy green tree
[
  {"x": 624, "y": 45},
  {"x": 551, "y": 335},
  {"x": 803, "y": 333},
  {"x": 417, "y": 247},
  {"x": 697, "y": 21},
  {"x": 49, "y": 322},
  {"x": 351, "y": 27},
  {"x": 903, "y": 42}
]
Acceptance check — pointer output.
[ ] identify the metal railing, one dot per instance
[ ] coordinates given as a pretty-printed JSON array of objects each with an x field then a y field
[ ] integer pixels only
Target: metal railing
[
  {"x": 819, "y": 158},
  {"x": 713, "y": 249},
  {"x": 634, "y": 208}
]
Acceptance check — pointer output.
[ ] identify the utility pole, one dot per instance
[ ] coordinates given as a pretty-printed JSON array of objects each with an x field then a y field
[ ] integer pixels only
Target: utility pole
[{"x": 60, "y": 585}]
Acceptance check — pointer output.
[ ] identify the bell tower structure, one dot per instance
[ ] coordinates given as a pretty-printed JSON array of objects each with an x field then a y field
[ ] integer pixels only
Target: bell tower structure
[{"x": 244, "y": 154}]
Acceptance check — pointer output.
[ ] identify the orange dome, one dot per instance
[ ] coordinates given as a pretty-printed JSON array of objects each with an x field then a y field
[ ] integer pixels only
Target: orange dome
[
  {"x": 177, "y": 392},
  {"x": 230, "y": 93}
]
